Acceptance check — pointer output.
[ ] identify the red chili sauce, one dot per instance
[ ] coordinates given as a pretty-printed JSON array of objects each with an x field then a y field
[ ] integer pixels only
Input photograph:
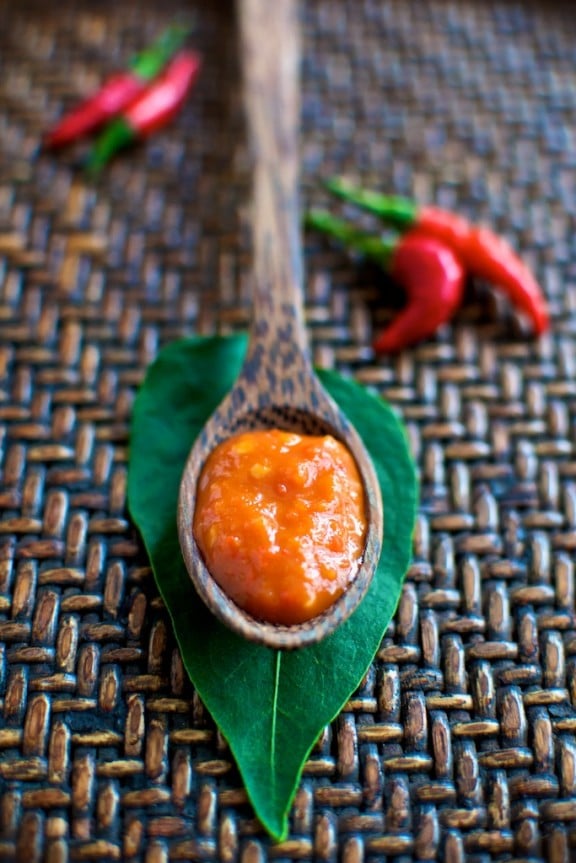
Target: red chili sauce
[{"x": 280, "y": 520}]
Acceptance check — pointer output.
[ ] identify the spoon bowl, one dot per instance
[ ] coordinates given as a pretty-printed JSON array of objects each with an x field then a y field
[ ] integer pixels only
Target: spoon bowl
[{"x": 277, "y": 386}]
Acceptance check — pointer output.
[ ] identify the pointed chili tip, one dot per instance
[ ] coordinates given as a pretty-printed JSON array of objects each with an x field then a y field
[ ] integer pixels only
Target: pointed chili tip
[
  {"x": 541, "y": 321},
  {"x": 540, "y": 313},
  {"x": 387, "y": 344},
  {"x": 48, "y": 142}
]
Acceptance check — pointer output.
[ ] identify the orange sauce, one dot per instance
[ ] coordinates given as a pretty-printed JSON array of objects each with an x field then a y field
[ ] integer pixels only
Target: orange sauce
[{"x": 280, "y": 520}]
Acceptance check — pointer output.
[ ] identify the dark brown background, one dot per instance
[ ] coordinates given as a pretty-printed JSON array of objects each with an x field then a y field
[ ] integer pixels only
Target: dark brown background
[{"x": 460, "y": 743}]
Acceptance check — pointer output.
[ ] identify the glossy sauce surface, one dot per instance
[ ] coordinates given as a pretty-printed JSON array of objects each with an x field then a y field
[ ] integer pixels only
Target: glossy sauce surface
[{"x": 280, "y": 519}]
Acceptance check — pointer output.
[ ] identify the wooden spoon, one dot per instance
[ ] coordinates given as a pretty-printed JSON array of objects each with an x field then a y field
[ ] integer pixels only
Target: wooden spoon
[{"x": 277, "y": 386}]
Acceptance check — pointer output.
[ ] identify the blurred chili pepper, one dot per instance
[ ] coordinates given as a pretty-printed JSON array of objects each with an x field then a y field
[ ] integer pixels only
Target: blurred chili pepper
[
  {"x": 118, "y": 91},
  {"x": 482, "y": 252},
  {"x": 154, "y": 108},
  {"x": 429, "y": 272}
]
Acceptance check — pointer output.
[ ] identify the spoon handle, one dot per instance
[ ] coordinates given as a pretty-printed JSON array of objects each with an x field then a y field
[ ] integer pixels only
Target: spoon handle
[{"x": 270, "y": 46}]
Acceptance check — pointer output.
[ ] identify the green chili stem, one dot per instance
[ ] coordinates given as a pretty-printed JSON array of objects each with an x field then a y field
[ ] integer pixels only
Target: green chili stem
[
  {"x": 117, "y": 135},
  {"x": 149, "y": 63},
  {"x": 399, "y": 211},
  {"x": 373, "y": 247}
]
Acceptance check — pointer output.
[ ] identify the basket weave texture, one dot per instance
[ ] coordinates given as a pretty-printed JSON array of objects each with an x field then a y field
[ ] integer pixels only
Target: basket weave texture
[{"x": 460, "y": 743}]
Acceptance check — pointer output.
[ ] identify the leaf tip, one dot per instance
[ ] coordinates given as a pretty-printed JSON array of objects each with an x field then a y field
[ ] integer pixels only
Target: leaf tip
[{"x": 277, "y": 829}]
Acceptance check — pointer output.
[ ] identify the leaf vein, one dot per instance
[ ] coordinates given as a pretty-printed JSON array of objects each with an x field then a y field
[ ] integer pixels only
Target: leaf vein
[{"x": 274, "y": 717}]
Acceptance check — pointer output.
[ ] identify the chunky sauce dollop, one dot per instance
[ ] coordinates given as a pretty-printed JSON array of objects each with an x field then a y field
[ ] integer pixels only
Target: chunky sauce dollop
[{"x": 280, "y": 520}]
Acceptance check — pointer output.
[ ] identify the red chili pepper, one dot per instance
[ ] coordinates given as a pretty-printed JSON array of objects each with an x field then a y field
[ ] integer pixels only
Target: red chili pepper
[
  {"x": 482, "y": 252},
  {"x": 433, "y": 280},
  {"x": 156, "y": 106},
  {"x": 118, "y": 91},
  {"x": 429, "y": 272}
]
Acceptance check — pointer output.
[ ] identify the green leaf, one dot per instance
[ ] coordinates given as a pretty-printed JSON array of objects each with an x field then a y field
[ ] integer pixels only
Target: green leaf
[{"x": 270, "y": 706}]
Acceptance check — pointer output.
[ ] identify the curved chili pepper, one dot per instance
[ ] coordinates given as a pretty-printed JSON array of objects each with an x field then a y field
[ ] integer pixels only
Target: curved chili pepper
[
  {"x": 118, "y": 91},
  {"x": 433, "y": 280},
  {"x": 154, "y": 108},
  {"x": 482, "y": 252},
  {"x": 429, "y": 272}
]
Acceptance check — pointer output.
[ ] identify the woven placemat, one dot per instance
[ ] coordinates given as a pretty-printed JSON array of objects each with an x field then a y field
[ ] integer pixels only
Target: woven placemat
[{"x": 459, "y": 745}]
